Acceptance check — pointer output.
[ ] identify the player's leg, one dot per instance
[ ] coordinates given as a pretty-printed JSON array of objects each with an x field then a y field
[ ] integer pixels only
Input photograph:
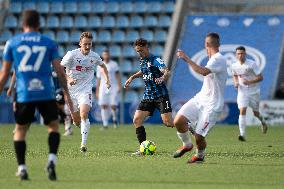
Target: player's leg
[
  {"x": 85, "y": 125},
  {"x": 50, "y": 117},
  {"x": 24, "y": 114},
  {"x": 243, "y": 101},
  {"x": 105, "y": 113},
  {"x": 242, "y": 123},
  {"x": 114, "y": 102},
  {"x": 205, "y": 123},
  {"x": 254, "y": 104},
  {"x": 165, "y": 108},
  {"x": 67, "y": 121},
  {"x": 114, "y": 115},
  {"x": 189, "y": 111}
]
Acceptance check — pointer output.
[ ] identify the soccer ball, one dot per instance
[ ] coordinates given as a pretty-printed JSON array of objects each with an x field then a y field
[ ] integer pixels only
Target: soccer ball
[{"x": 147, "y": 147}]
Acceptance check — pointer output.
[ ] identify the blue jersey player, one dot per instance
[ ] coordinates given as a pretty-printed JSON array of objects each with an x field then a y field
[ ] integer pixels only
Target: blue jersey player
[
  {"x": 32, "y": 55},
  {"x": 154, "y": 73}
]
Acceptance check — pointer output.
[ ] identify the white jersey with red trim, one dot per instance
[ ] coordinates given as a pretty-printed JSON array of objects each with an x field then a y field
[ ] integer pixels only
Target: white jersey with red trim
[{"x": 81, "y": 68}]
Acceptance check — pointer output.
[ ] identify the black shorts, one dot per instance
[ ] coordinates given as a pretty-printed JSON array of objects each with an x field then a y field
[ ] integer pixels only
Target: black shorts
[
  {"x": 163, "y": 104},
  {"x": 25, "y": 112}
]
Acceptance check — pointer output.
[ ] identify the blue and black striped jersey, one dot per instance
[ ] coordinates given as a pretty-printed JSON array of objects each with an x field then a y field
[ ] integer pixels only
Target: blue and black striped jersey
[{"x": 150, "y": 68}]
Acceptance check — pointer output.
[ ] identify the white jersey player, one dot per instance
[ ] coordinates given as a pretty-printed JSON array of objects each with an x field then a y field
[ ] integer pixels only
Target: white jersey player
[
  {"x": 108, "y": 99},
  {"x": 246, "y": 76},
  {"x": 202, "y": 110},
  {"x": 80, "y": 65}
]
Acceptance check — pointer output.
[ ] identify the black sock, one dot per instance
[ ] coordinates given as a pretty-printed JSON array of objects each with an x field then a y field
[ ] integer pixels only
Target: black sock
[
  {"x": 141, "y": 134},
  {"x": 53, "y": 142},
  {"x": 20, "y": 149}
]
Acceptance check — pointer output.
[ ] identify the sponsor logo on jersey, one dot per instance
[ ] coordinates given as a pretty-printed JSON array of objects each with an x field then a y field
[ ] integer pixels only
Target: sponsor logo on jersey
[
  {"x": 228, "y": 51},
  {"x": 83, "y": 69},
  {"x": 35, "y": 85}
]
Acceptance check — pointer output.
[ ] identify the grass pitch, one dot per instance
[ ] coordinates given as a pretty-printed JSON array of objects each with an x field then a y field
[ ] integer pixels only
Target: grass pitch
[{"x": 257, "y": 163}]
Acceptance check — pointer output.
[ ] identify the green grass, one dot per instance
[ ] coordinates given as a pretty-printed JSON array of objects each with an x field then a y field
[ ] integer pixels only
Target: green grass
[{"x": 257, "y": 163}]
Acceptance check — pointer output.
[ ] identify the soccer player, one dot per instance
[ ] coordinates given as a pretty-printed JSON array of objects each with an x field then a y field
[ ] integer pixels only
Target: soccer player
[
  {"x": 201, "y": 111},
  {"x": 108, "y": 99},
  {"x": 154, "y": 73},
  {"x": 32, "y": 54},
  {"x": 247, "y": 76},
  {"x": 80, "y": 67}
]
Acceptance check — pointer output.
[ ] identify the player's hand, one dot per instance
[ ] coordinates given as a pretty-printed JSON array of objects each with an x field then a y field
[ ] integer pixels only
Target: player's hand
[
  {"x": 9, "y": 92},
  {"x": 108, "y": 85},
  {"x": 246, "y": 82},
  {"x": 72, "y": 81},
  {"x": 159, "y": 80},
  {"x": 181, "y": 54},
  {"x": 127, "y": 82}
]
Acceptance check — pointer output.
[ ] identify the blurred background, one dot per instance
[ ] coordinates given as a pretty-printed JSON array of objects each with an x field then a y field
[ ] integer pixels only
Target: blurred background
[{"x": 168, "y": 25}]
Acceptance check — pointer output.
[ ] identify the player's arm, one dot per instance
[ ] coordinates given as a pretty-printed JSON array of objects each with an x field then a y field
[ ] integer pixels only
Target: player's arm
[
  {"x": 198, "y": 69},
  {"x": 256, "y": 79},
  {"x": 4, "y": 74},
  {"x": 12, "y": 84},
  {"x": 118, "y": 79},
  {"x": 105, "y": 73},
  {"x": 131, "y": 78},
  {"x": 98, "y": 87},
  {"x": 166, "y": 74},
  {"x": 236, "y": 81},
  {"x": 63, "y": 82}
]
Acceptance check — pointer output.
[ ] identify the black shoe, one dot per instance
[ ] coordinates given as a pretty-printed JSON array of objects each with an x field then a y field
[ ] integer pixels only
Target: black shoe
[
  {"x": 23, "y": 174},
  {"x": 51, "y": 171},
  {"x": 241, "y": 138}
]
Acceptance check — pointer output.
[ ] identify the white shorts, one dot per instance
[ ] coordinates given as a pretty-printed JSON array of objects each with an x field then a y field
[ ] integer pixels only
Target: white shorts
[
  {"x": 248, "y": 100},
  {"x": 110, "y": 98},
  {"x": 81, "y": 98},
  {"x": 203, "y": 119}
]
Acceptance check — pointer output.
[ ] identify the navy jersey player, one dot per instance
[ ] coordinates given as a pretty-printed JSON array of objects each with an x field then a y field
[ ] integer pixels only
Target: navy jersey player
[
  {"x": 154, "y": 73},
  {"x": 32, "y": 55}
]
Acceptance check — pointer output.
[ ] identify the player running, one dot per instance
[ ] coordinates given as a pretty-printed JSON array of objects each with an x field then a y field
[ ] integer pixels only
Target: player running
[
  {"x": 202, "y": 111},
  {"x": 31, "y": 54},
  {"x": 80, "y": 68},
  {"x": 154, "y": 73},
  {"x": 247, "y": 76}
]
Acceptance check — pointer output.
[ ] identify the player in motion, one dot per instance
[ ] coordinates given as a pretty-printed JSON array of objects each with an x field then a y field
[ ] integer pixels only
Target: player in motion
[
  {"x": 31, "y": 55},
  {"x": 108, "y": 99},
  {"x": 154, "y": 73},
  {"x": 80, "y": 67},
  {"x": 247, "y": 76},
  {"x": 202, "y": 110}
]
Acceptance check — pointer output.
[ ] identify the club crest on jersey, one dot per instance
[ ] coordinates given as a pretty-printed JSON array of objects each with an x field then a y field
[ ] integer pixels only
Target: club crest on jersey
[{"x": 78, "y": 60}]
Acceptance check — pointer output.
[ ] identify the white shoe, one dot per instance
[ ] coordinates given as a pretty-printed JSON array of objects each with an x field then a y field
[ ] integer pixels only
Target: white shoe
[
  {"x": 137, "y": 153},
  {"x": 68, "y": 132}
]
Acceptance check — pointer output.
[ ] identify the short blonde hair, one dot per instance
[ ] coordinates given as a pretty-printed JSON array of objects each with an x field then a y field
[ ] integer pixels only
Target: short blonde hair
[{"x": 86, "y": 35}]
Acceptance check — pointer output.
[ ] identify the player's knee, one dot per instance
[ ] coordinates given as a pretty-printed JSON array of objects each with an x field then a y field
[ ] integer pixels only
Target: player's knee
[
  {"x": 137, "y": 121},
  {"x": 177, "y": 122}
]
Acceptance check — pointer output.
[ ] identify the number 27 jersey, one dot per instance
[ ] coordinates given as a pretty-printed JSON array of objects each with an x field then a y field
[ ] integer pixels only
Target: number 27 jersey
[{"x": 32, "y": 54}]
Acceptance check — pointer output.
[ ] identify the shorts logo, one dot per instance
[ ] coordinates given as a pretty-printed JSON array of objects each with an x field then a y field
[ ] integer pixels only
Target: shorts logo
[{"x": 229, "y": 53}]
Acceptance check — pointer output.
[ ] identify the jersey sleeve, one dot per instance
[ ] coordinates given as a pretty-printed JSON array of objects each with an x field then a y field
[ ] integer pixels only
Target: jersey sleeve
[
  {"x": 116, "y": 67},
  {"x": 7, "y": 53},
  {"x": 54, "y": 51},
  {"x": 233, "y": 69},
  {"x": 214, "y": 66},
  {"x": 67, "y": 59},
  {"x": 99, "y": 60},
  {"x": 158, "y": 62},
  {"x": 255, "y": 68}
]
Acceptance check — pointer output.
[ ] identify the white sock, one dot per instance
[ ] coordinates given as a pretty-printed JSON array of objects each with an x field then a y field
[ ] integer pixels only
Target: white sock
[
  {"x": 200, "y": 153},
  {"x": 242, "y": 124},
  {"x": 85, "y": 126},
  {"x": 184, "y": 137},
  {"x": 105, "y": 116},
  {"x": 114, "y": 116},
  {"x": 52, "y": 157},
  {"x": 67, "y": 122},
  {"x": 22, "y": 167}
]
